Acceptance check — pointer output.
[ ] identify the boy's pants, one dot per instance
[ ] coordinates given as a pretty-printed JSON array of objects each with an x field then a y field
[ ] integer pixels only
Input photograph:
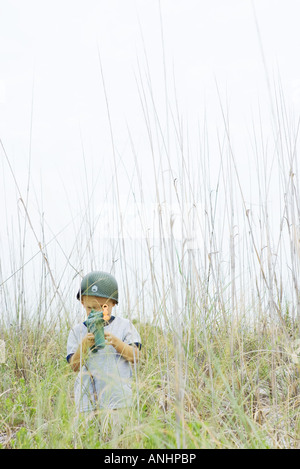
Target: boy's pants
[{"x": 112, "y": 421}]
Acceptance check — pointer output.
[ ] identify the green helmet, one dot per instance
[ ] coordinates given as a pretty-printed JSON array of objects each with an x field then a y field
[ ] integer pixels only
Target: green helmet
[{"x": 100, "y": 284}]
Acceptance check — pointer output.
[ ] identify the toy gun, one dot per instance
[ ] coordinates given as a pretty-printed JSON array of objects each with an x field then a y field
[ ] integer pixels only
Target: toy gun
[{"x": 95, "y": 324}]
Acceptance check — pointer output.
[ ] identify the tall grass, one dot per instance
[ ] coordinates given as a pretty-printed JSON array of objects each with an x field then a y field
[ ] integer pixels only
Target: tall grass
[{"x": 207, "y": 261}]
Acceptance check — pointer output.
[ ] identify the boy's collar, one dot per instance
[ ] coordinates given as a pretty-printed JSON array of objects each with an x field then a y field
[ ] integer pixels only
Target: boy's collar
[{"x": 108, "y": 322}]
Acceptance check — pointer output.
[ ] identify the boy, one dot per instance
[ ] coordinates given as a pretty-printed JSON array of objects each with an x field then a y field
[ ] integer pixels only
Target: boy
[{"x": 104, "y": 376}]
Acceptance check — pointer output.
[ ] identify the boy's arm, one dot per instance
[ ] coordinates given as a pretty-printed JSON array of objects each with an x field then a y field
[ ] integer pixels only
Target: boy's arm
[
  {"x": 82, "y": 351},
  {"x": 129, "y": 352}
]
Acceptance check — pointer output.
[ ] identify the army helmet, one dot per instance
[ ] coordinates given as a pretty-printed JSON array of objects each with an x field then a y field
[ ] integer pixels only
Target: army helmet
[{"x": 101, "y": 284}]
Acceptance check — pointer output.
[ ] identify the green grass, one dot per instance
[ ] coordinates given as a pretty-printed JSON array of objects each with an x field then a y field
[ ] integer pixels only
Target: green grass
[{"x": 227, "y": 399}]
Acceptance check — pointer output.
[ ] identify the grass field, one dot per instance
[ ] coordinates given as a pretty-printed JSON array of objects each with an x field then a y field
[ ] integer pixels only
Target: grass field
[{"x": 197, "y": 392}]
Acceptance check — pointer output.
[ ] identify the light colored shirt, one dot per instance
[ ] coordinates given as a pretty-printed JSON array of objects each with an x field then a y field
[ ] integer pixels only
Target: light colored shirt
[{"x": 104, "y": 380}]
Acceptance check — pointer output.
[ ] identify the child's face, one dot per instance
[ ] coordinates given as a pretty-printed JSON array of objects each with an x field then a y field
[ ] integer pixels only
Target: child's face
[{"x": 96, "y": 303}]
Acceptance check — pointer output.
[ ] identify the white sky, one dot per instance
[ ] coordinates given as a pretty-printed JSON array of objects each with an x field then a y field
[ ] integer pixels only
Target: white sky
[
  {"x": 49, "y": 57},
  {"x": 53, "y": 45}
]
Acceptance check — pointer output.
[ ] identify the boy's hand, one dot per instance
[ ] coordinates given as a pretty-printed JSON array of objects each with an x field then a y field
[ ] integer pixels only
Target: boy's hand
[
  {"x": 128, "y": 352},
  {"x": 110, "y": 339},
  {"x": 88, "y": 341}
]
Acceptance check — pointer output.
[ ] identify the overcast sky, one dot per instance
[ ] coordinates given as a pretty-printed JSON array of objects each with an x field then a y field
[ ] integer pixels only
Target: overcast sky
[
  {"x": 52, "y": 102},
  {"x": 49, "y": 53}
]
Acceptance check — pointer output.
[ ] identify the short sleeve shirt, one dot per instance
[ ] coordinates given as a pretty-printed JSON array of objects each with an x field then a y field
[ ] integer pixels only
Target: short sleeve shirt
[{"x": 104, "y": 380}]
